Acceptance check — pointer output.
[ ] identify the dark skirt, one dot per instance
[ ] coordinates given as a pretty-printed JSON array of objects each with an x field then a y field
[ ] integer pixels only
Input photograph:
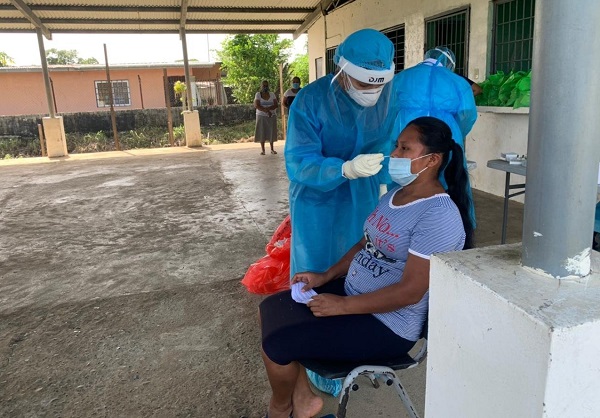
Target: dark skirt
[{"x": 290, "y": 332}]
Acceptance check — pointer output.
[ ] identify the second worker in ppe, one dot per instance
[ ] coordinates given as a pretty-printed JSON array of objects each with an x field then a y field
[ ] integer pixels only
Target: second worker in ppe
[
  {"x": 432, "y": 89},
  {"x": 337, "y": 137}
]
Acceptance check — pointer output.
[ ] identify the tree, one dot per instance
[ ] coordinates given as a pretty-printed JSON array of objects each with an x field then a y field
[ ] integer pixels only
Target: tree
[
  {"x": 5, "y": 60},
  {"x": 299, "y": 68},
  {"x": 66, "y": 57},
  {"x": 249, "y": 59}
]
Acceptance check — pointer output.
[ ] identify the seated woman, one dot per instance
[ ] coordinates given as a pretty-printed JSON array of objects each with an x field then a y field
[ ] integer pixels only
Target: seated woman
[{"x": 371, "y": 305}]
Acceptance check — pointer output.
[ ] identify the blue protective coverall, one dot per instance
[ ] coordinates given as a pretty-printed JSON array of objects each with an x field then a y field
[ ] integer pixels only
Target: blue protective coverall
[
  {"x": 428, "y": 90},
  {"x": 327, "y": 128}
]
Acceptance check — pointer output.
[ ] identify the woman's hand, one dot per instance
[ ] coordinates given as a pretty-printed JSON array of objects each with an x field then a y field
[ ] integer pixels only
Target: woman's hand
[
  {"x": 310, "y": 279},
  {"x": 327, "y": 304}
]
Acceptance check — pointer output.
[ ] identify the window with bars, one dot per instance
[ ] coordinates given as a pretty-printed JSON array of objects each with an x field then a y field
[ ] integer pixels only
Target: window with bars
[
  {"x": 329, "y": 64},
  {"x": 452, "y": 31},
  {"x": 513, "y": 35},
  {"x": 396, "y": 35},
  {"x": 120, "y": 91}
]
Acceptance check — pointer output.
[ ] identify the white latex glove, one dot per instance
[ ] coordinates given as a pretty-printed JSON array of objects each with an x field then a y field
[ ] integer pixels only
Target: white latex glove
[
  {"x": 363, "y": 165},
  {"x": 382, "y": 190}
]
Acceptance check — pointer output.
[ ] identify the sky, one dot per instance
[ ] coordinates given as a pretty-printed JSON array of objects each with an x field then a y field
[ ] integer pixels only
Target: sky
[{"x": 121, "y": 48}]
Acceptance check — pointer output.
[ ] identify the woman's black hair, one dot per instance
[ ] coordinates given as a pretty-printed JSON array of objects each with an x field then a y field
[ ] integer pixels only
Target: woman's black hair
[{"x": 436, "y": 136}]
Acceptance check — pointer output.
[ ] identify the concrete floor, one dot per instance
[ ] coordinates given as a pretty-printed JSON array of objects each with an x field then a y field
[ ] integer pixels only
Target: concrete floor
[{"x": 119, "y": 284}]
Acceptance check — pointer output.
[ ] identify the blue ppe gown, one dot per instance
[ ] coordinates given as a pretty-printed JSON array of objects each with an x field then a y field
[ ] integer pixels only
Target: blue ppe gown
[
  {"x": 428, "y": 90},
  {"x": 327, "y": 128}
]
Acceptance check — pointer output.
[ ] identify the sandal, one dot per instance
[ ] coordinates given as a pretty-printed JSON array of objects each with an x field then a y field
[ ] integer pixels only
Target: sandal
[
  {"x": 262, "y": 153},
  {"x": 273, "y": 151}
]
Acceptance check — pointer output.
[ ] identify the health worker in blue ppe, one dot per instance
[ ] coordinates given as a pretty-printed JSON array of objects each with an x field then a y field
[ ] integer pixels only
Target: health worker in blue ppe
[
  {"x": 337, "y": 136},
  {"x": 431, "y": 88}
]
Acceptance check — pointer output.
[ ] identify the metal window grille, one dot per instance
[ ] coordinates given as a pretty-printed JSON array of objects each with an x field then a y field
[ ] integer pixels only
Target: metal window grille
[
  {"x": 452, "y": 31},
  {"x": 120, "y": 91},
  {"x": 329, "y": 64},
  {"x": 396, "y": 35},
  {"x": 513, "y": 35}
]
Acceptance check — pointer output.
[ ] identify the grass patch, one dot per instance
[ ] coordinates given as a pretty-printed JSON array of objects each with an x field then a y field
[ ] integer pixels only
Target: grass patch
[{"x": 149, "y": 137}]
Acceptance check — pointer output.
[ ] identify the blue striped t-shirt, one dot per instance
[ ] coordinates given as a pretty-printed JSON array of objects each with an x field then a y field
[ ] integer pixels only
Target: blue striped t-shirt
[{"x": 422, "y": 228}]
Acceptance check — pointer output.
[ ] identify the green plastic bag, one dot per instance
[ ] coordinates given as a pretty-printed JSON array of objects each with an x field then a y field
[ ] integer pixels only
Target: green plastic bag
[
  {"x": 491, "y": 88},
  {"x": 523, "y": 88},
  {"x": 505, "y": 94}
]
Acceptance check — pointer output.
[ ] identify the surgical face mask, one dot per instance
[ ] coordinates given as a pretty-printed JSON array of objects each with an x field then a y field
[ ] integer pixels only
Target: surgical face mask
[
  {"x": 400, "y": 172},
  {"x": 265, "y": 89},
  {"x": 365, "y": 98},
  {"x": 295, "y": 85}
]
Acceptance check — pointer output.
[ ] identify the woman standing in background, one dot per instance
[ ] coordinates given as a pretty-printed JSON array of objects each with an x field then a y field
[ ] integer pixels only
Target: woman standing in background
[{"x": 266, "y": 104}]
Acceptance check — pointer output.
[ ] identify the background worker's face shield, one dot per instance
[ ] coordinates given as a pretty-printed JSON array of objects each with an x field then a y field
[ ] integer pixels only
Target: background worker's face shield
[
  {"x": 443, "y": 56},
  {"x": 359, "y": 97}
]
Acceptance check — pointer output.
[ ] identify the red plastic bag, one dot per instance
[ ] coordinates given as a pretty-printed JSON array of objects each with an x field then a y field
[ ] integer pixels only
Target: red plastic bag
[
  {"x": 279, "y": 246},
  {"x": 268, "y": 275},
  {"x": 271, "y": 274}
]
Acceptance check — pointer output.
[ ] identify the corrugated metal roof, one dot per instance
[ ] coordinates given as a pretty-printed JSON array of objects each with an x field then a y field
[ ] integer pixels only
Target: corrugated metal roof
[{"x": 161, "y": 16}]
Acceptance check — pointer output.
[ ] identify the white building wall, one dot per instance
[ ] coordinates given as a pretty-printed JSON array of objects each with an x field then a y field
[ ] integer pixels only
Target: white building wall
[
  {"x": 505, "y": 341},
  {"x": 496, "y": 130}
]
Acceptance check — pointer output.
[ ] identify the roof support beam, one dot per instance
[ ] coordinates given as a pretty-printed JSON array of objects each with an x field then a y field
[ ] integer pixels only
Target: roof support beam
[
  {"x": 311, "y": 18},
  {"x": 186, "y": 63},
  {"x": 183, "y": 14},
  {"x": 45, "y": 74},
  {"x": 23, "y": 8}
]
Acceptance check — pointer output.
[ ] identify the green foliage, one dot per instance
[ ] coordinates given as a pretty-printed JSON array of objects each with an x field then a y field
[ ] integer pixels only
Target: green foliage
[
  {"x": 17, "y": 147},
  {"x": 249, "y": 59},
  {"x": 90, "y": 60},
  {"x": 240, "y": 132},
  {"x": 66, "y": 57},
  {"x": 148, "y": 137},
  {"x": 299, "y": 68},
  {"x": 178, "y": 134},
  {"x": 5, "y": 60},
  {"x": 90, "y": 142}
]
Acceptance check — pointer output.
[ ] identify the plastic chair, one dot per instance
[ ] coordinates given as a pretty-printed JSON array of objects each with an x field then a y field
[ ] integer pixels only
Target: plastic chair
[{"x": 386, "y": 371}]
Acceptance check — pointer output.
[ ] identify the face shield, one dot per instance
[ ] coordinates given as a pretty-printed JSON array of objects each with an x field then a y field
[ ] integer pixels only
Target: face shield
[
  {"x": 441, "y": 56},
  {"x": 359, "y": 97}
]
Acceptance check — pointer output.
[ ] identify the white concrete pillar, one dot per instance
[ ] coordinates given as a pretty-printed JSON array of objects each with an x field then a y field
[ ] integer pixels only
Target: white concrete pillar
[
  {"x": 191, "y": 122},
  {"x": 56, "y": 141},
  {"x": 507, "y": 342}
]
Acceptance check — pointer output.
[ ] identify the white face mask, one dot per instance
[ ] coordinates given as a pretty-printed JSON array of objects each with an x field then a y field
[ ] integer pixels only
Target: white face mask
[{"x": 365, "y": 98}]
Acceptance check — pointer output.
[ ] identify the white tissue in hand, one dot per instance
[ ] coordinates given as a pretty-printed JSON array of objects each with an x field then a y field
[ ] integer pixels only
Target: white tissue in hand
[{"x": 302, "y": 297}]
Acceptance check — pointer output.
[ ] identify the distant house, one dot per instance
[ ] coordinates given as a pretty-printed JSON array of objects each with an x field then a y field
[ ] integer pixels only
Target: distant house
[{"x": 83, "y": 88}]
